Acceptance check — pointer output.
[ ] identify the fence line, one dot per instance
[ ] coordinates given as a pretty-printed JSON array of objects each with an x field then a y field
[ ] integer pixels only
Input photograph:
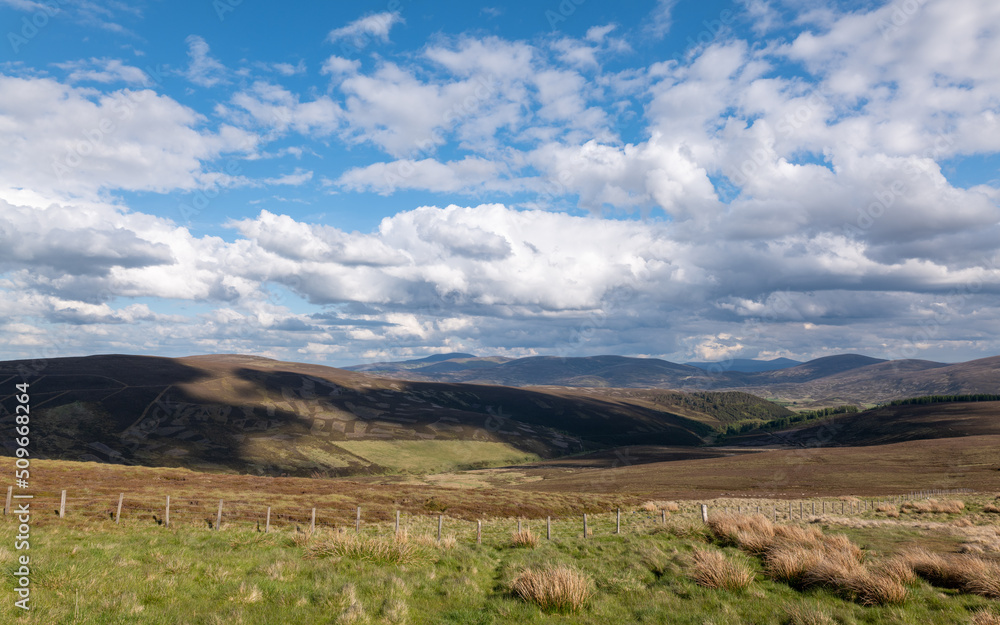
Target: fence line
[{"x": 608, "y": 523}]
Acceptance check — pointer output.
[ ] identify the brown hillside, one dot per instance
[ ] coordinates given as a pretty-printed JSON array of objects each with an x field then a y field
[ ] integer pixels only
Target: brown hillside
[
  {"x": 250, "y": 414},
  {"x": 946, "y": 463},
  {"x": 888, "y": 424}
]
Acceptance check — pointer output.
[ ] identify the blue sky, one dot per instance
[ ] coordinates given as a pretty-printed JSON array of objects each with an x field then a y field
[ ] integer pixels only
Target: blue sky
[{"x": 340, "y": 183}]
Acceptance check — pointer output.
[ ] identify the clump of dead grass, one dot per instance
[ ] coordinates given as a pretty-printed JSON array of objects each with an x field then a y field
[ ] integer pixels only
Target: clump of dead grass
[
  {"x": 795, "y": 535},
  {"x": 802, "y": 615},
  {"x": 686, "y": 528},
  {"x": 896, "y": 568},
  {"x": 947, "y": 506},
  {"x": 397, "y": 550},
  {"x": 713, "y": 569},
  {"x": 965, "y": 572},
  {"x": 985, "y": 617},
  {"x": 524, "y": 538},
  {"x": 840, "y": 571},
  {"x": 888, "y": 509},
  {"x": 992, "y": 509},
  {"x": 753, "y": 534},
  {"x": 657, "y": 505},
  {"x": 559, "y": 588},
  {"x": 247, "y": 594},
  {"x": 351, "y": 608},
  {"x": 804, "y": 556}
]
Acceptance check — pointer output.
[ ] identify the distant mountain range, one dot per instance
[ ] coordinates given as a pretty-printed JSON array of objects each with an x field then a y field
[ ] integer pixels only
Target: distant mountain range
[
  {"x": 746, "y": 365},
  {"x": 446, "y": 363},
  {"x": 844, "y": 378}
]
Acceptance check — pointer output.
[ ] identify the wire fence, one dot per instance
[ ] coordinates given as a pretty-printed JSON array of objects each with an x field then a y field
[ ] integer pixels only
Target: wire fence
[{"x": 209, "y": 513}]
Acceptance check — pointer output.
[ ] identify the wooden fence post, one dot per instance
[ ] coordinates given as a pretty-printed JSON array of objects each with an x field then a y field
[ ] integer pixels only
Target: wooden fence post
[
  {"x": 618, "y": 522},
  {"x": 62, "y": 505},
  {"x": 548, "y": 528},
  {"x": 663, "y": 516},
  {"x": 440, "y": 523},
  {"x": 218, "y": 518},
  {"x": 585, "y": 525},
  {"x": 6, "y": 507},
  {"x": 166, "y": 514},
  {"x": 704, "y": 513},
  {"x": 519, "y": 526},
  {"x": 118, "y": 512},
  {"x": 357, "y": 521},
  {"x": 312, "y": 521},
  {"x": 267, "y": 522},
  {"x": 397, "y": 522},
  {"x": 800, "y": 510},
  {"x": 479, "y": 532}
]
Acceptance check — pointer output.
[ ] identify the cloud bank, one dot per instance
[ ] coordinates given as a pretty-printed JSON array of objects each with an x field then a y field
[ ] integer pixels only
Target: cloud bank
[{"x": 796, "y": 195}]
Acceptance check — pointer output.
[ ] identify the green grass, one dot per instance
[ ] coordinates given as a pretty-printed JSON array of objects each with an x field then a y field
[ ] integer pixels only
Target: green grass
[
  {"x": 93, "y": 572},
  {"x": 436, "y": 456}
]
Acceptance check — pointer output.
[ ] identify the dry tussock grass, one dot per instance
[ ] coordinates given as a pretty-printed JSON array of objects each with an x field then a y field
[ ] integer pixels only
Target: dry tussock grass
[
  {"x": 524, "y": 538},
  {"x": 447, "y": 542},
  {"x": 558, "y": 588},
  {"x": 793, "y": 534},
  {"x": 686, "y": 528},
  {"x": 896, "y": 568},
  {"x": 964, "y": 572},
  {"x": 657, "y": 505},
  {"x": 396, "y": 550},
  {"x": 870, "y": 589},
  {"x": 842, "y": 572},
  {"x": 841, "y": 544},
  {"x": 985, "y": 617},
  {"x": 804, "y": 556},
  {"x": 788, "y": 562},
  {"x": 947, "y": 506},
  {"x": 713, "y": 569},
  {"x": 248, "y": 594},
  {"x": 750, "y": 533},
  {"x": 992, "y": 509},
  {"x": 802, "y": 615},
  {"x": 352, "y": 610},
  {"x": 888, "y": 509}
]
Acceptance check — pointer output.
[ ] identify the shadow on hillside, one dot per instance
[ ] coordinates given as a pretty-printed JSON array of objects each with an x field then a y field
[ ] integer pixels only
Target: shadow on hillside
[{"x": 245, "y": 414}]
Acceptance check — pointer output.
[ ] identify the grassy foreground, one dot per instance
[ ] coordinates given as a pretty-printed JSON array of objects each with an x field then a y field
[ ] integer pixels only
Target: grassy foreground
[{"x": 91, "y": 571}]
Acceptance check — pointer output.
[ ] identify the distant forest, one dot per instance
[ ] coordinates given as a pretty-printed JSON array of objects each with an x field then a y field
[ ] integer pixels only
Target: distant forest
[
  {"x": 783, "y": 422},
  {"x": 938, "y": 399}
]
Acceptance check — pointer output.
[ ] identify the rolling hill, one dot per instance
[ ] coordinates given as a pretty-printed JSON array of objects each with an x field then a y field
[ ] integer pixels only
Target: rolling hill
[
  {"x": 256, "y": 415},
  {"x": 881, "y": 382},
  {"x": 828, "y": 381},
  {"x": 887, "y": 425},
  {"x": 746, "y": 365}
]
